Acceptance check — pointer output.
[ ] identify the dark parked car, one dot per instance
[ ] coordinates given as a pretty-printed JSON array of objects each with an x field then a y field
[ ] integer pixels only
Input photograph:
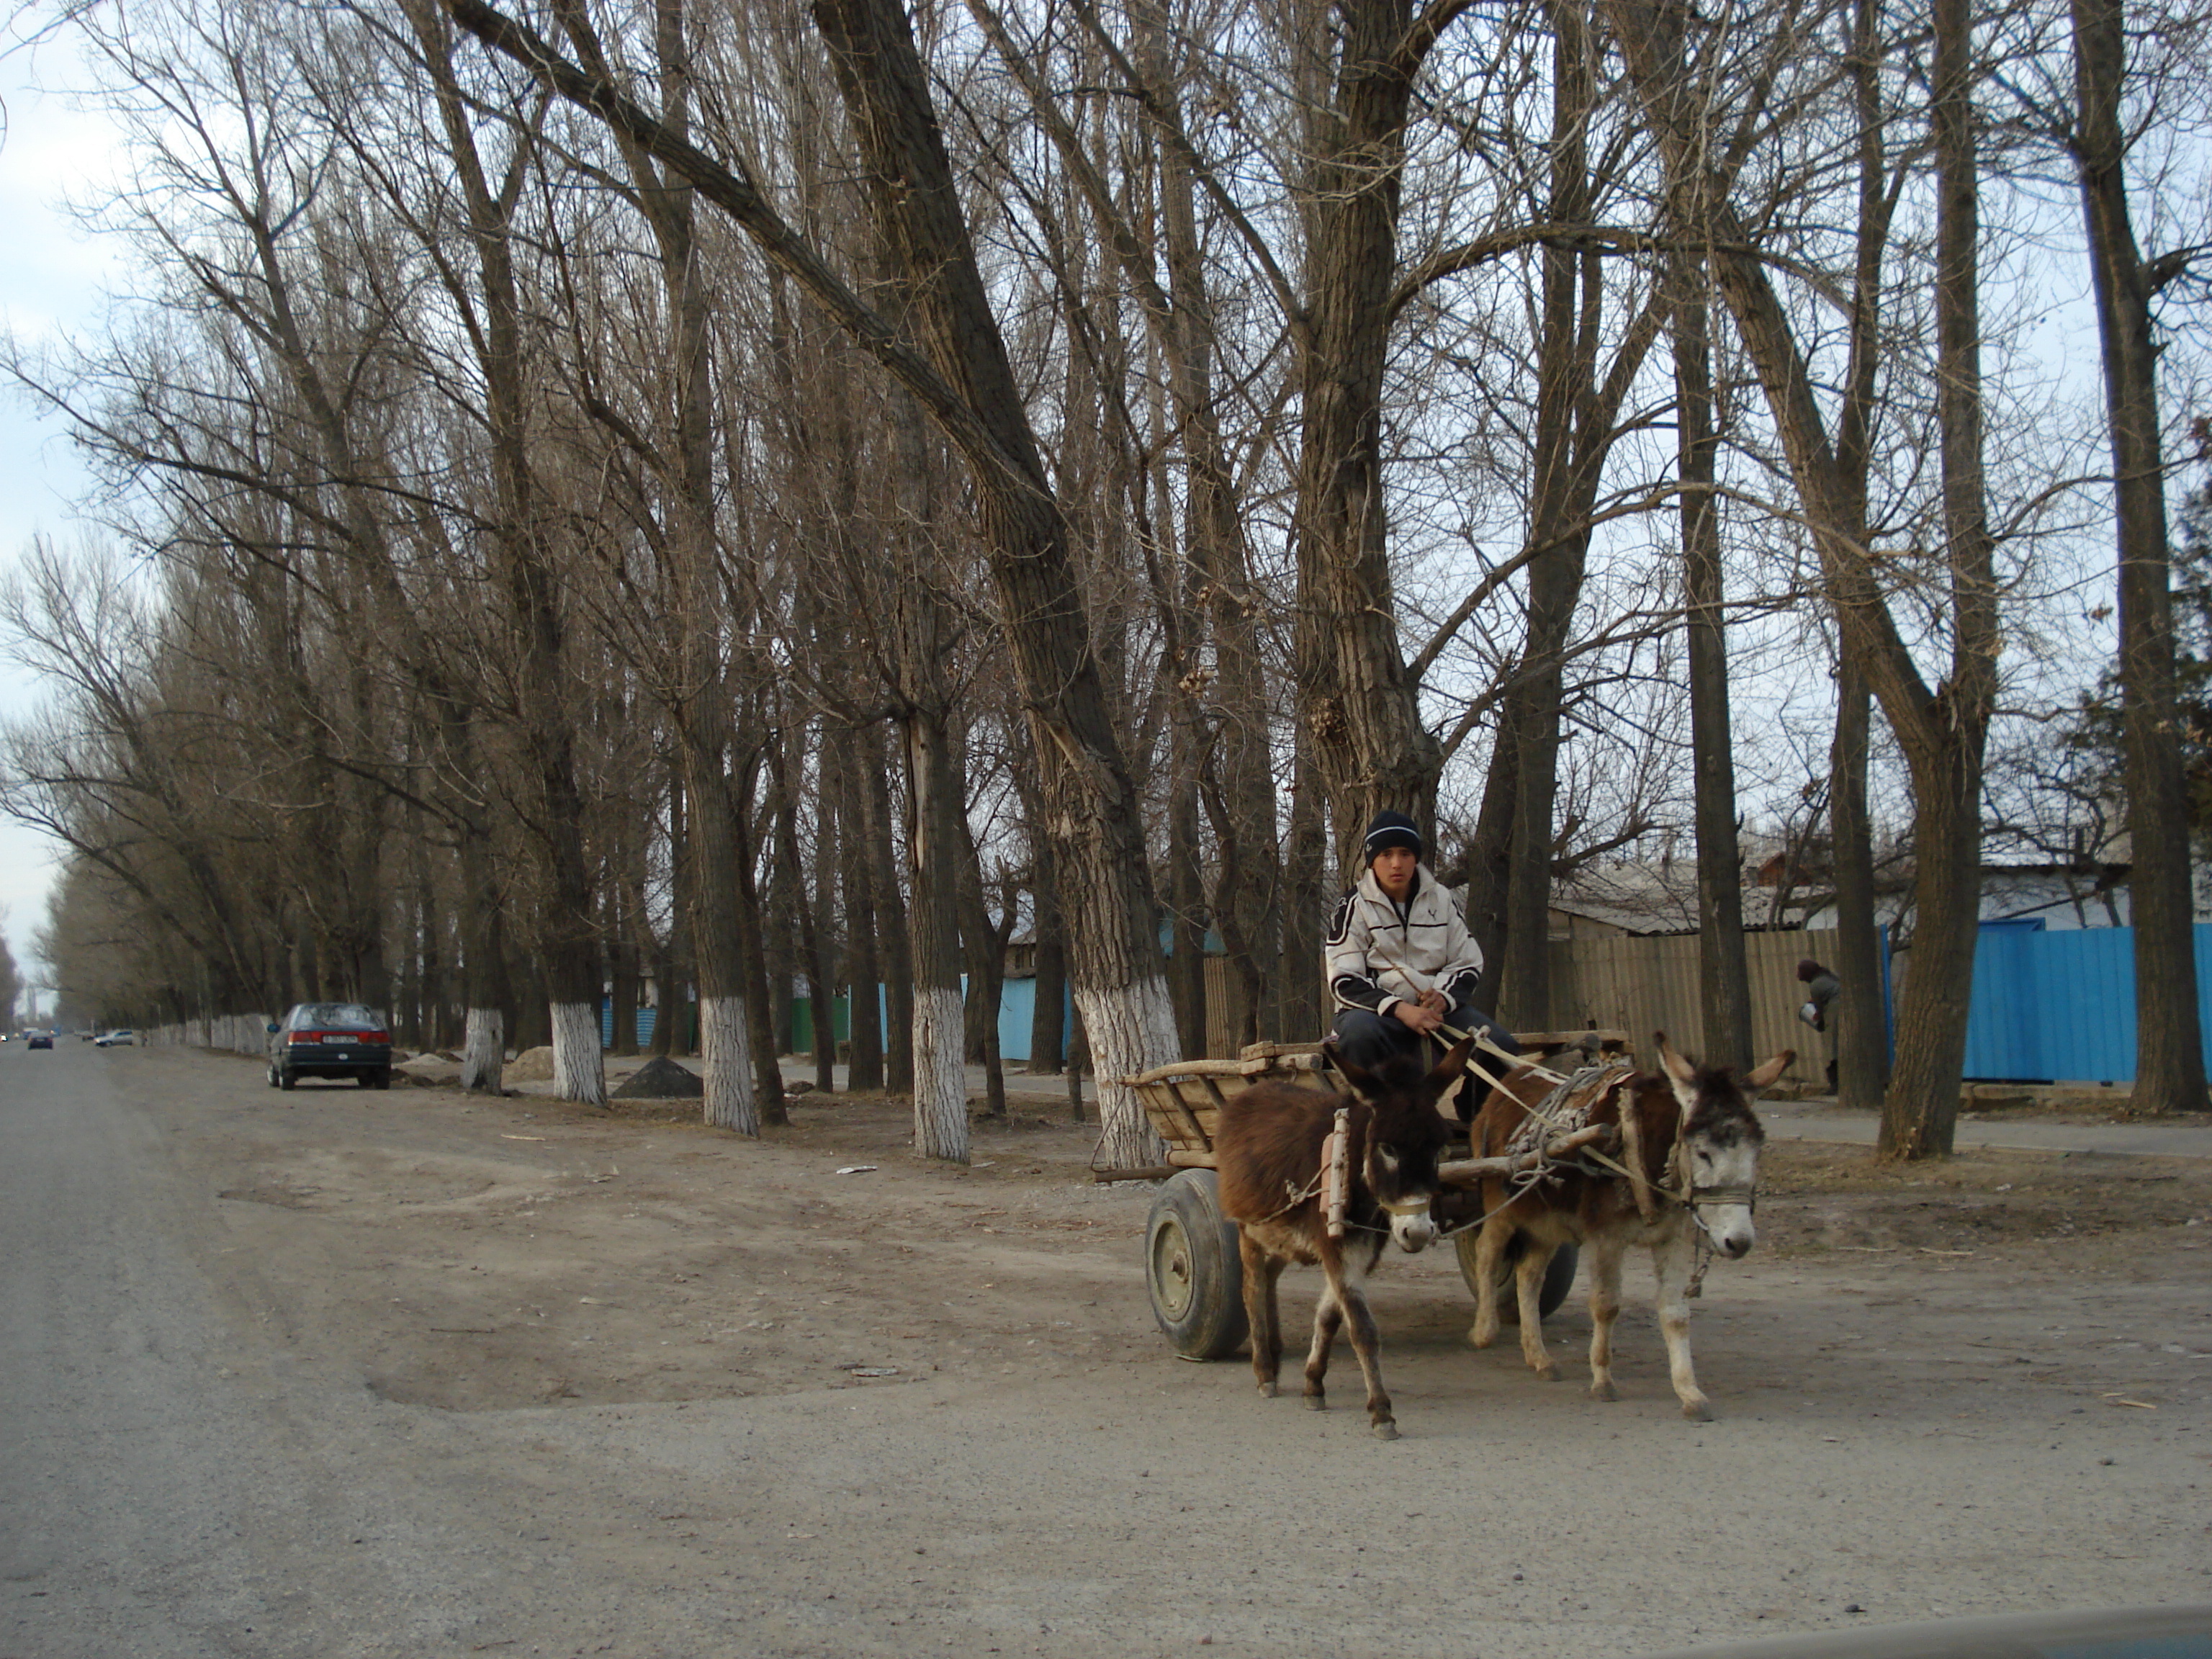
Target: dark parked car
[
  {"x": 41, "y": 1039},
  {"x": 332, "y": 1040}
]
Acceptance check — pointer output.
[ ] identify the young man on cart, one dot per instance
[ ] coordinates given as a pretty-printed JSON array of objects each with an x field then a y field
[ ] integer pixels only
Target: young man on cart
[{"x": 1401, "y": 964}]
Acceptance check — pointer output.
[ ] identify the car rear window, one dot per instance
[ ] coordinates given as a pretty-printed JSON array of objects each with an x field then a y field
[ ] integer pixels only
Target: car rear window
[{"x": 333, "y": 1014}]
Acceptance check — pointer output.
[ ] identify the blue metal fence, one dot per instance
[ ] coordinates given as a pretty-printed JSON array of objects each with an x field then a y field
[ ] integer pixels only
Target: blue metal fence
[
  {"x": 645, "y": 1018},
  {"x": 2051, "y": 1006}
]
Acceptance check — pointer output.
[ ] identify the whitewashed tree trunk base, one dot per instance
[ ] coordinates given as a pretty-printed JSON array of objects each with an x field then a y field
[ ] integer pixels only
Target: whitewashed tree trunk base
[
  {"x": 940, "y": 1075},
  {"x": 483, "y": 1051},
  {"x": 580, "y": 1071},
  {"x": 1132, "y": 1029},
  {"x": 728, "y": 1053}
]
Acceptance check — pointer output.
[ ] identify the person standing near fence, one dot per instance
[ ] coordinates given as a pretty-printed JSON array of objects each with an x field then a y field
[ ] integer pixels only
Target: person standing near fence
[{"x": 1820, "y": 989}]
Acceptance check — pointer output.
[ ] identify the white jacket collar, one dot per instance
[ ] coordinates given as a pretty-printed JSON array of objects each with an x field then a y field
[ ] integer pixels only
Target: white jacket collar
[{"x": 1424, "y": 879}]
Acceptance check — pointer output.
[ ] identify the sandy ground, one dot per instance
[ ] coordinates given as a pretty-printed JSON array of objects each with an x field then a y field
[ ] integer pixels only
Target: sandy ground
[{"x": 735, "y": 1400}]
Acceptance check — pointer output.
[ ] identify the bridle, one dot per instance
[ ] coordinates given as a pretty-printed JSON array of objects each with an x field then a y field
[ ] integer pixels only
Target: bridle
[{"x": 1704, "y": 1245}]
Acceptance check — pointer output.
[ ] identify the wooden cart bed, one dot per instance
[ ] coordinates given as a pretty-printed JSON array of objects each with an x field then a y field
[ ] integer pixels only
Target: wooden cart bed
[{"x": 1184, "y": 1100}]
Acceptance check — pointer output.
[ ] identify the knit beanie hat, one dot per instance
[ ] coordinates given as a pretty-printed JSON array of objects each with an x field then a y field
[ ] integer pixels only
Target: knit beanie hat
[{"x": 1392, "y": 830}]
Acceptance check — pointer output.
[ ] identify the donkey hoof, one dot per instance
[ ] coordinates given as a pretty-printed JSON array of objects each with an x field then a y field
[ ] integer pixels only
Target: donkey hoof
[
  {"x": 1386, "y": 1429},
  {"x": 1548, "y": 1373},
  {"x": 1267, "y": 1391},
  {"x": 1479, "y": 1337},
  {"x": 1697, "y": 1411},
  {"x": 1317, "y": 1402},
  {"x": 1604, "y": 1391}
]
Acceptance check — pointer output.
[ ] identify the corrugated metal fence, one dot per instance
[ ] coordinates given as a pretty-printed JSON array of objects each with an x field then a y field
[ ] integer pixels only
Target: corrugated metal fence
[
  {"x": 2060, "y": 1006},
  {"x": 1637, "y": 985},
  {"x": 1646, "y": 985}
]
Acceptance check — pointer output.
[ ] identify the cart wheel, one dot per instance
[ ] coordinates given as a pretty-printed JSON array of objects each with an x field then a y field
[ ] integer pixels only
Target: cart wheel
[
  {"x": 1193, "y": 1269},
  {"x": 1559, "y": 1275}
]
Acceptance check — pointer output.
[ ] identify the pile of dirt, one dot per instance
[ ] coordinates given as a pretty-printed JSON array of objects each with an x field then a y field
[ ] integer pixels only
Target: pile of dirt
[
  {"x": 662, "y": 1078},
  {"x": 531, "y": 1066}
]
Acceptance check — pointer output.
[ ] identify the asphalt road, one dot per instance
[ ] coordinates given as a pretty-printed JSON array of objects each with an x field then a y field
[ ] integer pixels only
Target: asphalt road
[
  {"x": 173, "y": 1486},
  {"x": 140, "y": 1500}
]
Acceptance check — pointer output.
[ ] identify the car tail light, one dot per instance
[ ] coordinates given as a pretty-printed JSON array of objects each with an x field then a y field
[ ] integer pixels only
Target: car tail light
[
  {"x": 375, "y": 1036},
  {"x": 304, "y": 1037}
]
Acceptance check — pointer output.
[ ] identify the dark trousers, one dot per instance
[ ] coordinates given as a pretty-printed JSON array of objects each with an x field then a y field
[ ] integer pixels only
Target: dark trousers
[{"x": 1367, "y": 1040}]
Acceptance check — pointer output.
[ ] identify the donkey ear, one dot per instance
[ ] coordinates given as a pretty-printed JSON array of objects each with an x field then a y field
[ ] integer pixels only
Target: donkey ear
[
  {"x": 1681, "y": 1075},
  {"x": 1357, "y": 1078},
  {"x": 1765, "y": 1076},
  {"x": 1453, "y": 1066}
]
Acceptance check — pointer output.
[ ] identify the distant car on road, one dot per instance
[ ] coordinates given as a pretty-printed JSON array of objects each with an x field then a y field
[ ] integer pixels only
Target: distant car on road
[
  {"x": 330, "y": 1040},
  {"x": 40, "y": 1040},
  {"x": 123, "y": 1037}
]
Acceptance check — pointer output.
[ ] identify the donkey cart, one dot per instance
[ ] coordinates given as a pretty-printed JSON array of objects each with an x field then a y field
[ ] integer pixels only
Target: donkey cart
[{"x": 1192, "y": 1265}]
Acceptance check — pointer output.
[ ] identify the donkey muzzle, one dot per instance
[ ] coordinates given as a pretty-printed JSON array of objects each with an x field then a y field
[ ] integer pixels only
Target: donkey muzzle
[{"x": 1413, "y": 1229}]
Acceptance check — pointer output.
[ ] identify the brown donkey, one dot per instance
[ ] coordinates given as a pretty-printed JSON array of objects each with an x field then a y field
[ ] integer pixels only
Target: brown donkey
[
  {"x": 1686, "y": 1163},
  {"x": 1269, "y": 1148}
]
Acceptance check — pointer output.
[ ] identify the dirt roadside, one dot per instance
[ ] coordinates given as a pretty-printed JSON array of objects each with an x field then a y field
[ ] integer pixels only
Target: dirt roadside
[{"x": 1980, "y": 1387}]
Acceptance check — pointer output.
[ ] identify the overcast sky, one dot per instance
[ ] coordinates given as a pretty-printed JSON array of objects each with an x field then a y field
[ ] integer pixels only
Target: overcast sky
[{"x": 52, "y": 277}]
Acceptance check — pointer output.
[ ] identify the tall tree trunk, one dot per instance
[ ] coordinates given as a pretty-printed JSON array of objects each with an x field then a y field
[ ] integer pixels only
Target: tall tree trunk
[
  {"x": 622, "y": 963},
  {"x": 784, "y": 942},
  {"x": 752, "y": 959},
  {"x": 933, "y": 798},
  {"x": 1355, "y": 696},
  {"x": 1049, "y": 1014},
  {"x": 1186, "y": 891},
  {"x": 484, "y": 990},
  {"x": 890, "y": 916},
  {"x": 819, "y": 919},
  {"x": 1723, "y": 974},
  {"x": 1860, "y": 1036},
  {"x": 1488, "y": 865},
  {"x": 671, "y": 967},
  {"x": 1945, "y": 752},
  {"x": 2169, "y": 1041},
  {"x": 863, "y": 971},
  {"x": 718, "y": 942},
  {"x": 1305, "y": 900},
  {"x": 1558, "y": 535}
]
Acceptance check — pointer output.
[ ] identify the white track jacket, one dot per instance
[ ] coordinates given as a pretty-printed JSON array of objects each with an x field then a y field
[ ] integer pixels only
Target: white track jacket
[{"x": 1378, "y": 954}]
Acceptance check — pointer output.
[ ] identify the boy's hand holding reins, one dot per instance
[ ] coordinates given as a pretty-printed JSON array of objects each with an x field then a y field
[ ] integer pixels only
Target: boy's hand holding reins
[{"x": 1425, "y": 1016}]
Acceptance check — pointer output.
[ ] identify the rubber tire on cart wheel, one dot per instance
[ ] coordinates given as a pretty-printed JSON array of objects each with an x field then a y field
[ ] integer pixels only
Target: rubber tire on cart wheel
[
  {"x": 1193, "y": 1269},
  {"x": 1559, "y": 1275}
]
